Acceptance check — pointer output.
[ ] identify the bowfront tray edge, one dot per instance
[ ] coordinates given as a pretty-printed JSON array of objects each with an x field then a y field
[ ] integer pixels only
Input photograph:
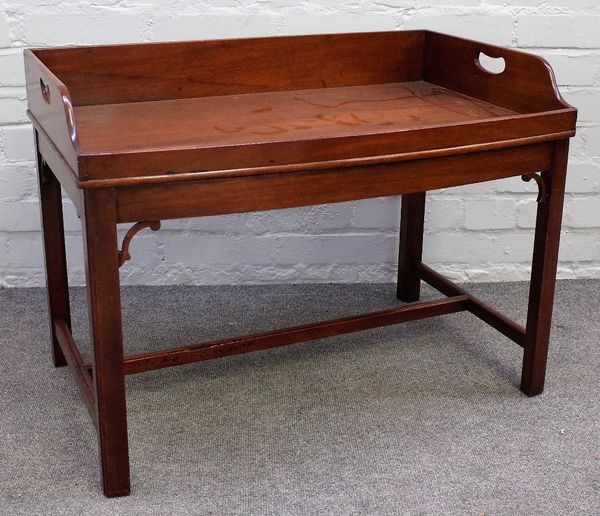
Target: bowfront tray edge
[{"x": 156, "y": 113}]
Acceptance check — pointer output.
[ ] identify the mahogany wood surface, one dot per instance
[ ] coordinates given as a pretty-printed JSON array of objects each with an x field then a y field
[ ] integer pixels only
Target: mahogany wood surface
[
  {"x": 104, "y": 309},
  {"x": 55, "y": 255},
  {"x": 545, "y": 260},
  {"x": 159, "y": 71},
  {"x": 49, "y": 104},
  {"x": 412, "y": 220},
  {"x": 59, "y": 167},
  {"x": 236, "y": 346},
  {"x": 82, "y": 374},
  {"x": 278, "y": 116},
  {"x": 526, "y": 85},
  {"x": 197, "y": 107},
  {"x": 276, "y": 191},
  {"x": 150, "y": 132},
  {"x": 476, "y": 306}
]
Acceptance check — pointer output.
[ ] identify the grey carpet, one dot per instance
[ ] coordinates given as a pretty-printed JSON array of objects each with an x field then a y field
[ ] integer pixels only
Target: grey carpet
[{"x": 424, "y": 418}]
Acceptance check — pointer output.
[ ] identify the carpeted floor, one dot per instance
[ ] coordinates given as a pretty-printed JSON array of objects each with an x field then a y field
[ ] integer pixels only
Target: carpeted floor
[{"x": 424, "y": 418}]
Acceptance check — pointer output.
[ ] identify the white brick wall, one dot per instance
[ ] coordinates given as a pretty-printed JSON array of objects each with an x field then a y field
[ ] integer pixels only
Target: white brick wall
[{"x": 479, "y": 233}]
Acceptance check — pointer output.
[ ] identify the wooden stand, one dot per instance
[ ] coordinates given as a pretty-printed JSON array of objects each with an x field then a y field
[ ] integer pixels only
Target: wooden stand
[{"x": 342, "y": 161}]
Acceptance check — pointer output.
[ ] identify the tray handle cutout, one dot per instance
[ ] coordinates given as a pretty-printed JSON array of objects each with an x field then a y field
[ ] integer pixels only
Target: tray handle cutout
[
  {"x": 45, "y": 89},
  {"x": 488, "y": 64}
]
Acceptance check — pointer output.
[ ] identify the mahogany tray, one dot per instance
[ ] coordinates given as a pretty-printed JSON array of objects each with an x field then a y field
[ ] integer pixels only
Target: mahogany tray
[{"x": 148, "y": 132}]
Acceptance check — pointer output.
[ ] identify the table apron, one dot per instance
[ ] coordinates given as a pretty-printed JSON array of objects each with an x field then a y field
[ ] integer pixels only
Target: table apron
[
  {"x": 270, "y": 192},
  {"x": 61, "y": 169}
]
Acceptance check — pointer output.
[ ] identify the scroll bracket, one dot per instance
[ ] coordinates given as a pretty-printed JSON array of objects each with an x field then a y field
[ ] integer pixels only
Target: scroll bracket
[
  {"x": 543, "y": 191},
  {"x": 124, "y": 252}
]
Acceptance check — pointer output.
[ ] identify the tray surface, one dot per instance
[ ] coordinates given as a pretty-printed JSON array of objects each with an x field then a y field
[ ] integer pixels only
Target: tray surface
[
  {"x": 274, "y": 116},
  {"x": 138, "y": 114}
]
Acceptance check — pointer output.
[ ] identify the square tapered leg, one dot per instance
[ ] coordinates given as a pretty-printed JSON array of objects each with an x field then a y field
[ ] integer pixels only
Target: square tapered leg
[
  {"x": 543, "y": 276},
  {"x": 104, "y": 301},
  {"x": 411, "y": 246},
  {"x": 54, "y": 254}
]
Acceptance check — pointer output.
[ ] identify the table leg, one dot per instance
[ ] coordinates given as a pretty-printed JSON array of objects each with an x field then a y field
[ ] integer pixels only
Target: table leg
[
  {"x": 104, "y": 301},
  {"x": 543, "y": 275},
  {"x": 411, "y": 246},
  {"x": 54, "y": 253}
]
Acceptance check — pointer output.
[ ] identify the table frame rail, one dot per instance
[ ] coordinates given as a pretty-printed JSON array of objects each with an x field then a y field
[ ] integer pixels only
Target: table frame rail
[
  {"x": 458, "y": 300},
  {"x": 80, "y": 371},
  {"x": 102, "y": 382}
]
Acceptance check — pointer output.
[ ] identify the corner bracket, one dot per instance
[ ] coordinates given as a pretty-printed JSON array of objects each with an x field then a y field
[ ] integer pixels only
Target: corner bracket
[
  {"x": 543, "y": 191},
  {"x": 124, "y": 252}
]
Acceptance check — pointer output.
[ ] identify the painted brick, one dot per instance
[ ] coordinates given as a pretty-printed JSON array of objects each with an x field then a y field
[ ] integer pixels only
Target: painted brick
[
  {"x": 3, "y": 254},
  {"x": 25, "y": 251},
  {"x": 13, "y": 110},
  {"x": 443, "y": 214},
  {"x": 558, "y": 31},
  {"x": 491, "y": 29},
  {"x": 19, "y": 216},
  {"x": 71, "y": 220},
  {"x": 573, "y": 69},
  {"x": 377, "y": 213},
  {"x": 312, "y": 219},
  {"x": 587, "y": 102},
  {"x": 83, "y": 29},
  {"x": 18, "y": 143},
  {"x": 516, "y": 185},
  {"x": 490, "y": 214},
  {"x": 195, "y": 248},
  {"x": 12, "y": 71},
  {"x": 299, "y": 23},
  {"x": 578, "y": 145},
  {"x": 580, "y": 247},
  {"x": 74, "y": 248},
  {"x": 527, "y": 213},
  {"x": 337, "y": 249},
  {"x": 487, "y": 188},
  {"x": 572, "y": 4},
  {"x": 512, "y": 247},
  {"x": 584, "y": 212},
  {"x": 16, "y": 181},
  {"x": 583, "y": 177},
  {"x": 4, "y": 33},
  {"x": 433, "y": 3},
  {"x": 201, "y": 26},
  {"x": 591, "y": 143},
  {"x": 481, "y": 232},
  {"x": 457, "y": 247},
  {"x": 226, "y": 224}
]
